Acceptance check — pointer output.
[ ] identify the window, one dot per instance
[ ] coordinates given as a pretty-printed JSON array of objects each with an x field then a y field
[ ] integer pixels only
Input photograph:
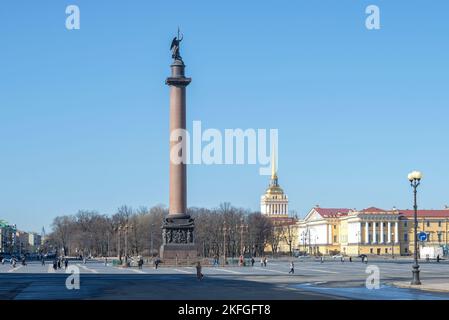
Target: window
[
  {"x": 405, "y": 237},
  {"x": 439, "y": 237},
  {"x": 369, "y": 224},
  {"x": 439, "y": 224},
  {"x": 386, "y": 250},
  {"x": 335, "y": 238},
  {"x": 428, "y": 223},
  {"x": 371, "y": 250},
  {"x": 405, "y": 224},
  {"x": 406, "y": 250},
  {"x": 335, "y": 226}
]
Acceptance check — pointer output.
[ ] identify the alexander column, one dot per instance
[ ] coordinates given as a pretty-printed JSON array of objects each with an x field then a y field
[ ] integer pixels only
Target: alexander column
[{"x": 178, "y": 226}]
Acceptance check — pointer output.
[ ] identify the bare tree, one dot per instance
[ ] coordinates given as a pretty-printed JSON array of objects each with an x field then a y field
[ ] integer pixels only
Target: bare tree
[{"x": 289, "y": 235}]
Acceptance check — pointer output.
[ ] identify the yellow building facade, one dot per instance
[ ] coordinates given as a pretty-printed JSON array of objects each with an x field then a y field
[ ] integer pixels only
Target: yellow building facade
[{"x": 371, "y": 231}]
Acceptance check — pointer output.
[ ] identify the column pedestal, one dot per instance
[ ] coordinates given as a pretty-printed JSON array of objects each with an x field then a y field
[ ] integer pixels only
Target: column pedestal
[{"x": 177, "y": 240}]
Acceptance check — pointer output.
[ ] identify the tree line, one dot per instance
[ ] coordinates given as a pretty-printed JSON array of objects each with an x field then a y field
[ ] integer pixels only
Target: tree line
[{"x": 223, "y": 230}]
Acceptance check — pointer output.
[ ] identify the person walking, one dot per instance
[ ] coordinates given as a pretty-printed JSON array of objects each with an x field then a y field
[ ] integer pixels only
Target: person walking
[
  {"x": 106, "y": 261},
  {"x": 252, "y": 261},
  {"x": 350, "y": 259},
  {"x": 265, "y": 261},
  {"x": 322, "y": 259},
  {"x": 66, "y": 263},
  {"x": 438, "y": 258},
  {"x": 140, "y": 263},
  {"x": 292, "y": 268},
  {"x": 199, "y": 275},
  {"x": 55, "y": 264},
  {"x": 261, "y": 262},
  {"x": 59, "y": 263},
  {"x": 156, "y": 263},
  {"x": 43, "y": 261}
]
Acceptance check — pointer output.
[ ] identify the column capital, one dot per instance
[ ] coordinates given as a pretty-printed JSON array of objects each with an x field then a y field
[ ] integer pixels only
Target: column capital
[
  {"x": 178, "y": 81},
  {"x": 178, "y": 77}
]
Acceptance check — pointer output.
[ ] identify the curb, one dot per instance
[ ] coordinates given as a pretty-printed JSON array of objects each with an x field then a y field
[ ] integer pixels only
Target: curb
[{"x": 421, "y": 287}]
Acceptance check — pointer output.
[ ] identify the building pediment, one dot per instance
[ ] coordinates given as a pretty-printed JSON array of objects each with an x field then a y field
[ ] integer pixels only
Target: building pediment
[{"x": 313, "y": 215}]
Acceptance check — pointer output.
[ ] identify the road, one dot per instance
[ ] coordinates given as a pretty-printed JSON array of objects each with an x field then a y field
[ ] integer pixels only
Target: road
[{"x": 312, "y": 280}]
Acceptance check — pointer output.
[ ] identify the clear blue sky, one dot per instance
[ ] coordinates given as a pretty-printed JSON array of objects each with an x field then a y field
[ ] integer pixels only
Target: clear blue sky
[{"x": 84, "y": 114}]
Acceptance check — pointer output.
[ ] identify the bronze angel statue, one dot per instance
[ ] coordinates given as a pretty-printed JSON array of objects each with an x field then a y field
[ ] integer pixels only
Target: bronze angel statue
[{"x": 175, "y": 47}]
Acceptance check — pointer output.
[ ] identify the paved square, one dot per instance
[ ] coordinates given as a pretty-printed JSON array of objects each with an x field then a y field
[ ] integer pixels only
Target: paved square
[{"x": 312, "y": 280}]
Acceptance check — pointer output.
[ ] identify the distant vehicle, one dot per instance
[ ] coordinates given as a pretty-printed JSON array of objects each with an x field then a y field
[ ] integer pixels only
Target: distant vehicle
[
  {"x": 430, "y": 252},
  {"x": 337, "y": 256},
  {"x": 298, "y": 254},
  {"x": 49, "y": 256}
]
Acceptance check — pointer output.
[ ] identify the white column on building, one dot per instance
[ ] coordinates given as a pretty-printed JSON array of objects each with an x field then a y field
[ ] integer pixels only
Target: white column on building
[
  {"x": 374, "y": 232},
  {"x": 389, "y": 232},
  {"x": 366, "y": 232},
  {"x": 359, "y": 238},
  {"x": 396, "y": 232},
  {"x": 381, "y": 232}
]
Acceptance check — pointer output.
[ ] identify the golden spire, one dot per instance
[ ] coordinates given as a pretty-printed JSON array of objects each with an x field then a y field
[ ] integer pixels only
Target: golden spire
[{"x": 273, "y": 164}]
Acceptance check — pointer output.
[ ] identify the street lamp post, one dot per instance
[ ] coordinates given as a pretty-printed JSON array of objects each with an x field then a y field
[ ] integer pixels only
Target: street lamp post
[
  {"x": 242, "y": 228},
  {"x": 358, "y": 243},
  {"x": 415, "y": 180},
  {"x": 224, "y": 243},
  {"x": 151, "y": 240},
  {"x": 108, "y": 245},
  {"x": 119, "y": 252},
  {"x": 126, "y": 245},
  {"x": 305, "y": 234},
  {"x": 392, "y": 246}
]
